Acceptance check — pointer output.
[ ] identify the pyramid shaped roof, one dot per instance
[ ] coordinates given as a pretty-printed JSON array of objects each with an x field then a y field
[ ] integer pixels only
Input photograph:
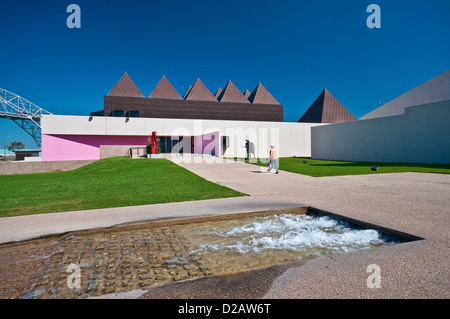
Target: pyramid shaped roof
[
  {"x": 327, "y": 109},
  {"x": 126, "y": 87},
  {"x": 247, "y": 94},
  {"x": 434, "y": 90},
  {"x": 199, "y": 92},
  {"x": 261, "y": 96},
  {"x": 231, "y": 94},
  {"x": 165, "y": 90}
]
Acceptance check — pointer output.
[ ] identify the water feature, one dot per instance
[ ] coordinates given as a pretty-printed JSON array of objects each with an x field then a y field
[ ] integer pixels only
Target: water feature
[
  {"x": 127, "y": 257},
  {"x": 252, "y": 242}
]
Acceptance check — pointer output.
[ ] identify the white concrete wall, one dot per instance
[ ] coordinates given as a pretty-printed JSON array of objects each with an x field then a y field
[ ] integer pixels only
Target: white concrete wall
[
  {"x": 435, "y": 90},
  {"x": 421, "y": 135},
  {"x": 291, "y": 139}
]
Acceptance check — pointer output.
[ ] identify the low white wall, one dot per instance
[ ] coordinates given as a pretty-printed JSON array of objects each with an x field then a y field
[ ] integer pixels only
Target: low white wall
[
  {"x": 291, "y": 139},
  {"x": 421, "y": 135}
]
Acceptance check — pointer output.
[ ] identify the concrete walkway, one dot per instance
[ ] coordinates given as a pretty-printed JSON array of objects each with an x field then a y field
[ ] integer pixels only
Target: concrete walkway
[{"x": 414, "y": 203}]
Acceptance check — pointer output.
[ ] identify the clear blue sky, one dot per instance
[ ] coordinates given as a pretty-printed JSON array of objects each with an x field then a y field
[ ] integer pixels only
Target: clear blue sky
[{"x": 294, "y": 48}]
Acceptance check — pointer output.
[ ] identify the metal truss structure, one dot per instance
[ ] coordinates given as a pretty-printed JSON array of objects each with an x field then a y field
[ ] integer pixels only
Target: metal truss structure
[{"x": 24, "y": 113}]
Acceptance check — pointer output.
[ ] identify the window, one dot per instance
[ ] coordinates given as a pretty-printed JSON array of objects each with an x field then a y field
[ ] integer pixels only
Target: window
[
  {"x": 118, "y": 113},
  {"x": 133, "y": 114},
  {"x": 225, "y": 141}
]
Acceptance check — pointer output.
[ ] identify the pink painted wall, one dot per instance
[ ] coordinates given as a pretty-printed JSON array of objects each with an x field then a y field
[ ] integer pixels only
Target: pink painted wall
[{"x": 82, "y": 147}]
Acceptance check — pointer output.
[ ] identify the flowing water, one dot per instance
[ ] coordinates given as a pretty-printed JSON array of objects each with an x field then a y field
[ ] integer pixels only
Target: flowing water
[{"x": 234, "y": 245}]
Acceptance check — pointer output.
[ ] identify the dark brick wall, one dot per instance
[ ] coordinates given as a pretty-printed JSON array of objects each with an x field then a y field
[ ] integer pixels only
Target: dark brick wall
[{"x": 182, "y": 109}]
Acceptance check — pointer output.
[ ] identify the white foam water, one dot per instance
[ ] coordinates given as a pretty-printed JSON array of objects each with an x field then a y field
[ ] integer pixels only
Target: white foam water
[{"x": 291, "y": 232}]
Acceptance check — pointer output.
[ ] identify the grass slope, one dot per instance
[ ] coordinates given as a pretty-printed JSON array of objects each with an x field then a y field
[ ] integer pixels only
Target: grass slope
[
  {"x": 320, "y": 168},
  {"x": 112, "y": 182}
]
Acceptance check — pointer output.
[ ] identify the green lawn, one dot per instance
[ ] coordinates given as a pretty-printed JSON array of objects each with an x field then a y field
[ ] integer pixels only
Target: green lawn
[
  {"x": 319, "y": 168},
  {"x": 112, "y": 182}
]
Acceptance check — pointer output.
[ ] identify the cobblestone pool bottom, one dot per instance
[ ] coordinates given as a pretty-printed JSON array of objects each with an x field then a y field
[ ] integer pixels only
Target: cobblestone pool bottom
[{"x": 126, "y": 258}]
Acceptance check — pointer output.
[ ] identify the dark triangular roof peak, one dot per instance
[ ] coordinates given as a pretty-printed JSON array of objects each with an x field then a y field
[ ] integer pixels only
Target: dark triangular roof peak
[
  {"x": 261, "y": 96},
  {"x": 126, "y": 87},
  {"x": 314, "y": 113},
  {"x": 232, "y": 94},
  {"x": 247, "y": 94},
  {"x": 187, "y": 92},
  {"x": 165, "y": 90},
  {"x": 219, "y": 90},
  {"x": 327, "y": 109},
  {"x": 199, "y": 92}
]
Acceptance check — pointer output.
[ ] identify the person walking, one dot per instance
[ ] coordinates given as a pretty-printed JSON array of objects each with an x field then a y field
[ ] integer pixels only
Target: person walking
[
  {"x": 250, "y": 147},
  {"x": 273, "y": 159}
]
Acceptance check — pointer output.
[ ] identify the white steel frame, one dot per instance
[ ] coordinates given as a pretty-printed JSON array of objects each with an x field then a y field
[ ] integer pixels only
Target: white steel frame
[{"x": 24, "y": 113}]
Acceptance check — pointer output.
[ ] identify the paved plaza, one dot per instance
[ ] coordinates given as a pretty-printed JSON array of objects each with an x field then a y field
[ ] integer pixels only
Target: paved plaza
[{"x": 414, "y": 203}]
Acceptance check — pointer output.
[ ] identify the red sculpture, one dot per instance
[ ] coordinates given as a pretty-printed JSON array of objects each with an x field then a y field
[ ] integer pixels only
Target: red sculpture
[{"x": 154, "y": 143}]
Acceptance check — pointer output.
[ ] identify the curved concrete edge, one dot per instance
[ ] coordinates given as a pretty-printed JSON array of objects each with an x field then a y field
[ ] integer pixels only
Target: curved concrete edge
[
  {"x": 409, "y": 270},
  {"x": 23, "y": 228}
]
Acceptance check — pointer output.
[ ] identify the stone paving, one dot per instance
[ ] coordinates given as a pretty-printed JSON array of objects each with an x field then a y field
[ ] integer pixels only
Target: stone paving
[{"x": 117, "y": 261}]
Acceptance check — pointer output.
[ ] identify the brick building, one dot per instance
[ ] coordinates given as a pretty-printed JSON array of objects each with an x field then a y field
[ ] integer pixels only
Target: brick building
[{"x": 127, "y": 100}]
